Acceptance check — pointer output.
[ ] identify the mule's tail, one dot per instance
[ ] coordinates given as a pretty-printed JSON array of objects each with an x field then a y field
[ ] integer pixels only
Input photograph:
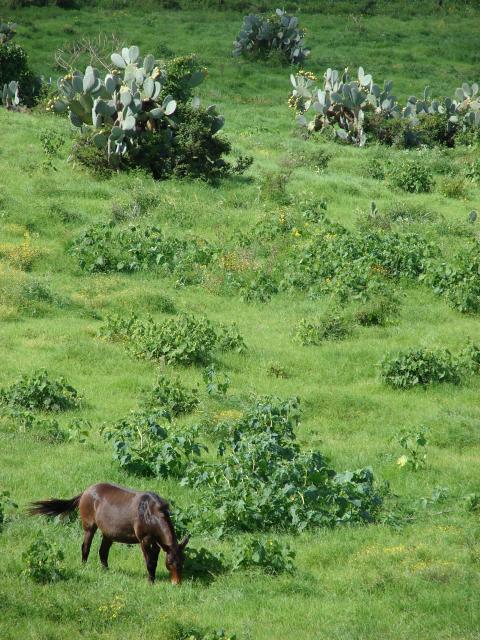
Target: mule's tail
[{"x": 54, "y": 507}]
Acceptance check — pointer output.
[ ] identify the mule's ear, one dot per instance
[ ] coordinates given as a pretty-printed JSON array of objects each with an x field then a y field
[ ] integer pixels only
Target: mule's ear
[{"x": 184, "y": 542}]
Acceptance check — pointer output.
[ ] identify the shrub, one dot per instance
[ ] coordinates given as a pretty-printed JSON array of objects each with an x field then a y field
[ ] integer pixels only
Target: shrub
[
  {"x": 135, "y": 202},
  {"x": 412, "y": 175},
  {"x": 459, "y": 281},
  {"x": 378, "y": 310},
  {"x": 215, "y": 383},
  {"x": 6, "y": 505},
  {"x": 146, "y": 444},
  {"x": 415, "y": 445},
  {"x": 105, "y": 247},
  {"x": 472, "y": 171},
  {"x": 271, "y": 556},
  {"x": 347, "y": 264},
  {"x": 259, "y": 289},
  {"x": 421, "y": 367},
  {"x": 201, "y": 563},
  {"x": 172, "y": 395},
  {"x": 184, "y": 339},
  {"x": 38, "y": 392},
  {"x": 333, "y": 325},
  {"x": 261, "y": 479},
  {"x": 266, "y": 36},
  {"x": 229, "y": 338},
  {"x": 43, "y": 561},
  {"x": 14, "y": 66},
  {"x": 453, "y": 187}
]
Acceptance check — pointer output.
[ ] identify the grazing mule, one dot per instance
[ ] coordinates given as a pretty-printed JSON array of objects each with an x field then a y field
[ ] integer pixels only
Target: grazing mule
[{"x": 123, "y": 515}]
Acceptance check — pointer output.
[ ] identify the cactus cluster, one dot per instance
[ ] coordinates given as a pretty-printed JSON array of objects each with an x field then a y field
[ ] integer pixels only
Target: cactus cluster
[
  {"x": 343, "y": 103},
  {"x": 261, "y": 35},
  {"x": 123, "y": 104},
  {"x": 10, "y": 96},
  {"x": 7, "y": 31}
]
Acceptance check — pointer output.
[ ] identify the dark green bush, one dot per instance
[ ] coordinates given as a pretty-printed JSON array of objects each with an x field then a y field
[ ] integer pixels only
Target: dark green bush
[
  {"x": 170, "y": 394},
  {"x": 271, "y": 556},
  {"x": 38, "y": 392},
  {"x": 43, "y": 561},
  {"x": 421, "y": 367},
  {"x": 183, "y": 339},
  {"x": 147, "y": 444},
  {"x": 411, "y": 174},
  {"x": 14, "y": 66},
  {"x": 333, "y": 325}
]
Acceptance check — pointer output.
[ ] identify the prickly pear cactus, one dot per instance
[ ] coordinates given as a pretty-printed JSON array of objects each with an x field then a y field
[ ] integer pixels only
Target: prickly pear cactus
[
  {"x": 262, "y": 35},
  {"x": 342, "y": 103},
  {"x": 121, "y": 105}
]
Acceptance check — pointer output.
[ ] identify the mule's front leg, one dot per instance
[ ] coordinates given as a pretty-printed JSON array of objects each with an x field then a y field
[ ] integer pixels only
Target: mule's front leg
[{"x": 150, "y": 553}]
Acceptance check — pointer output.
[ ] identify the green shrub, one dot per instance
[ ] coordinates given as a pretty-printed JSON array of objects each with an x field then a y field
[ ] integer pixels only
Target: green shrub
[
  {"x": 43, "y": 561},
  {"x": 414, "y": 442},
  {"x": 411, "y": 174},
  {"x": 202, "y": 563},
  {"x": 183, "y": 339},
  {"x": 106, "y": 247},
  {"x": 146, "y": 444},
  {"x": 453, "y": 187},
  {"x": 421, "y": 367},
  {"x": 333, "y": 325},
  {"x": 259, "y": 289},
  {"x": 37, "y": 392},
  {"x": 135, "y": 202},
  {"x": 14, "y": 66},
  {"x": 459, "y": 281},
  {"x": 229, "y": 338},
  {"x": 6, "y": 505},
  {"x": 472, "y": 171},
  {"x": 262, "y": 480},
  {"x": 271, "y": 556},
  {"x": 277, "y": 35},
  {"x": 378, "y": 310},
  {"x": 170, "y": 394}
]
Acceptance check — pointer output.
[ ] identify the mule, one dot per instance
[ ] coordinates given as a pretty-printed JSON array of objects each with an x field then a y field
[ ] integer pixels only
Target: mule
[{"x": 127, "y": 516}]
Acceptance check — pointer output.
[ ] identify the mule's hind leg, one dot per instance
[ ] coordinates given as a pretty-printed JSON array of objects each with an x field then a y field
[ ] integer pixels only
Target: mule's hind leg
[
  {"x": 150, "y": 553},
  {"x": 87, "y": 541},
  {"x": 103, "y": 552}
]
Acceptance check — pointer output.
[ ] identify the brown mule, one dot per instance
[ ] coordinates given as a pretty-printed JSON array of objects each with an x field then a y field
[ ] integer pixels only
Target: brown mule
[{"x": 123, "y": 515}]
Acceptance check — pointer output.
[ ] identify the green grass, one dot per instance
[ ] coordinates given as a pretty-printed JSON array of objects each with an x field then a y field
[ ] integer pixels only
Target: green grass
[{"x": 419, "y": 581}]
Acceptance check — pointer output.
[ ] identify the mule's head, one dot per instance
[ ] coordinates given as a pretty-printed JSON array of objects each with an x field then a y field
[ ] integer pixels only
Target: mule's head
[{"x": 175, "y": 559}]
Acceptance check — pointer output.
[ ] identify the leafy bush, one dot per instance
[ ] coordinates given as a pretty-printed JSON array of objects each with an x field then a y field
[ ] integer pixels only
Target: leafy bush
[
  {"x": 421, "y": 367},
  {"x": 271, "y": 556},
  {"x": 261, "y": 479},
  {"x": 189, "y": 633},
  {"x": 6, "y": 504},
  {"x": 276, "y": 35},
  {"x": 105, "y": 247},
  {"x": 170, "y": 394},
  {"x": 229, "y": 338},
  {"x": 415, "y": 445},
  {"x": 333, "y": 325},
  {"x": 14, "y": 67},
  {"x": 453, "y": 187},
  {"x": 412, "y": 175},
  {"x": 348, "y": 264},
  {"x": 43, "y": 561},
  {"x": 378, "y": 310},
  {"x": 215, "y": 383},
  {"x": 201, "y": 563},
  {"x": 146, "y": 444},
  {"x": 38, "y": 392},
  {"x": 135, "y": 202},
  {"x": 184, "y": 339},
  {"x": 459, "y": 281}
]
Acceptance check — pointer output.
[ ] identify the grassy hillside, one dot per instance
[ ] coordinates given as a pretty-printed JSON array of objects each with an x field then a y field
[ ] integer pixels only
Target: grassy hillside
[{"x": 415, "y": 576}]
